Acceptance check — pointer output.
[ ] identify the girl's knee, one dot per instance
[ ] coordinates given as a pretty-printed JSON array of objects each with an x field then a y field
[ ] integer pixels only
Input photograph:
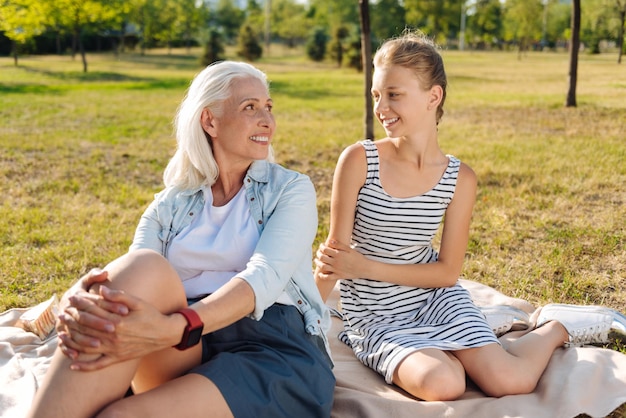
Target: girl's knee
[{"x": 445, "y": 382}]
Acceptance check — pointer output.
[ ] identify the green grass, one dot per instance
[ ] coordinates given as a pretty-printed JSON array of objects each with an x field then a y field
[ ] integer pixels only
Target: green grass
[{"x": 82, "y": 155}]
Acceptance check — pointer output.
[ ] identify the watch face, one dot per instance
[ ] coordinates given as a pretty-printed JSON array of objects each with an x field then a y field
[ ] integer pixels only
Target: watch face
[{"x": 194, "y": 337}]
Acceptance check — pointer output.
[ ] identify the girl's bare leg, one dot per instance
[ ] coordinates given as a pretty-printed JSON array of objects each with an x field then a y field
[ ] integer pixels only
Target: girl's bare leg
[
  {"x": 70, "y": 393},
  {"x": 431, "y": 375},
  {"x": 516, "y": 370}
]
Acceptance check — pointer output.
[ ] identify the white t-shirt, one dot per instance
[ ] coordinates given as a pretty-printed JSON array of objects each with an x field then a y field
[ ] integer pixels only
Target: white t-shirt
[{"x": 215, "y": 246}]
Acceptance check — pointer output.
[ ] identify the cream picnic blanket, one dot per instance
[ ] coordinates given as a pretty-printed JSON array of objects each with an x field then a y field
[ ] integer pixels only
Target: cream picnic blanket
[{"x": 577, "y": 381}]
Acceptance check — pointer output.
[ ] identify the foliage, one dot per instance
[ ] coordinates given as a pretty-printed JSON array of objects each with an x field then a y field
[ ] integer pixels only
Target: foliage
[
  {"x": 254, "y": 16},
  {"x": 21, "y": 20},
  {"x": 600, "y": 20},
  {"x": 484, "y": 25},
  {"x": 522, "y": 22},
  {"x": 289, "y": 21},
  {"x": 249, "y": 47},
  {"x": 388, "y": 18},
  {"x": 316, "y": 45},
  {"x": 536, "y": 24},
  {"x": 353, "y": 53},
  {"x": 336, "y": 47},
  {"x": 230, "y": 18},
  {"x": 439, "y": 19},
  {"x": 332, "y": 13},
  {"x": 213, "y": 48}
]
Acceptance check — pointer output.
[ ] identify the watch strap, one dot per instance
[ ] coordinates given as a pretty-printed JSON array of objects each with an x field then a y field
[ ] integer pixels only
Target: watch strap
[{"x": 194, "y": 325}]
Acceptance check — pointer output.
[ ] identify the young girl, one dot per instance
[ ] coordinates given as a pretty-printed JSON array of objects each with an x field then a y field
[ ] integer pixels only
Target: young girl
[{"x": 404, "y": 313}]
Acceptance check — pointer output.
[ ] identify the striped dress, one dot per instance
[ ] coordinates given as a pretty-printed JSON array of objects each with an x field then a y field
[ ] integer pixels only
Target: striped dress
[{"x": 384, "y": 322}]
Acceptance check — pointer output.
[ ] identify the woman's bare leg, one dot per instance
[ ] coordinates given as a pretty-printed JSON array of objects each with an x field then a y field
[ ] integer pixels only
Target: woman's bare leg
[
  {"x": 192, "y": 395},
  {"x": 70, "y": 393}
]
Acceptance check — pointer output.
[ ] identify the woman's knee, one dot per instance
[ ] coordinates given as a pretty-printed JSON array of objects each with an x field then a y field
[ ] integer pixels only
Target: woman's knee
[{"x": 149, "y": 275}]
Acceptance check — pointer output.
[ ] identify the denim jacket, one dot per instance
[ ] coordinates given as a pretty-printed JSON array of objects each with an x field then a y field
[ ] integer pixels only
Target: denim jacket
[{"x": 283, "y": 203}]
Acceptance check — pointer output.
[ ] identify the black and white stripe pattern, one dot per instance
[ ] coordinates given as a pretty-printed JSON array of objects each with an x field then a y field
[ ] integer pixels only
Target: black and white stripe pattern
[{"x": 384, "y": 322}]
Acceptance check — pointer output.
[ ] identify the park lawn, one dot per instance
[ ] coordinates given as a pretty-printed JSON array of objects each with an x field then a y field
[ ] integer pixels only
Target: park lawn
[{"x": 82, "y": 155}]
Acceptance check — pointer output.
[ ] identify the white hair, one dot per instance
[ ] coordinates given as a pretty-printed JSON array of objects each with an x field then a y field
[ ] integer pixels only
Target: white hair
[{"x": 193, "y": 164}]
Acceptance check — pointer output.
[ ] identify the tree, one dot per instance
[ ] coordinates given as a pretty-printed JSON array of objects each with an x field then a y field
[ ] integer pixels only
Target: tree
[
  {"x": 230, "y": 18},
  {"x": 188, "y": 20},
  {"x": 595, "y": 23},
  {"x": 21, "y": 20},
  {"x": 213, "y": 48},
  {"x": 165, "y": 30},
  {"x": 484, "y": 24},
  {"x": 332, "y": 13},
  {"x": 523, "y": 22},
  {"x": 367, "y": 66},
  {"x": 388, "y": 18},
  {"x": 249, "y": 46},
  {"x": 336, "y": 44},
  {"x": 145, "y": 15},
  {"x": 254, "y": 16},
  {"x": 620, "y": 7},
  {"x": 83, "y": 14},
  {"x": 558, "y": 22},
  {"x": 290, "y": 21},
  {"x": 438, "y": 18},
  {"x": 316, "y": 45},
  {"x": 353, "y": 52},
  {"x": 573, "y": 54}
]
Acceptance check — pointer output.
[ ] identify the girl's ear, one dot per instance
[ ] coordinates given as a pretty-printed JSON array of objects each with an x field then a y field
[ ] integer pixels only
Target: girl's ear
[
  {"x": 208, "y": 122},
  {"x": 436, "y": 95}
]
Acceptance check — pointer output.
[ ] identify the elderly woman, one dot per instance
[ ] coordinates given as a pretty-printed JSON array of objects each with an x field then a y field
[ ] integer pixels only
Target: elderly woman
[{"x": 214, "y": 311}]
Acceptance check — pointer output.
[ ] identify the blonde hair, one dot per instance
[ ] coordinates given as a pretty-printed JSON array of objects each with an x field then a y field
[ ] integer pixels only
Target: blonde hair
[
  {"x": 193, "y": 164},
  {"x": 417, "y": 52}
]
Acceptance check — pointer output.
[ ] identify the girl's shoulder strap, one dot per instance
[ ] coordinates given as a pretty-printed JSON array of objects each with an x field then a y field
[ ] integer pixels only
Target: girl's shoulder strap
[{"x": 371, "y": 154}]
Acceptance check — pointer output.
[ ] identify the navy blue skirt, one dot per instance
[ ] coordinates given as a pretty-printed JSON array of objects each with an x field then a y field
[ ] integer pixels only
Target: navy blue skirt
[{"x": 270, "y": 368}]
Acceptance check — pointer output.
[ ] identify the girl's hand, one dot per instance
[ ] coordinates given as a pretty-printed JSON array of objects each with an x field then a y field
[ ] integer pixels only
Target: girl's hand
[
  {"x": 339, "y": 261},
  {"x": 142, "y": 331}
]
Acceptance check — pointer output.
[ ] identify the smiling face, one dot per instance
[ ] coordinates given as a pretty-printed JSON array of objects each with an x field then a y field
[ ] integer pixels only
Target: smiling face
[
  {"x": 246, "y": 126},
  {"x": 401, "y": 104}
]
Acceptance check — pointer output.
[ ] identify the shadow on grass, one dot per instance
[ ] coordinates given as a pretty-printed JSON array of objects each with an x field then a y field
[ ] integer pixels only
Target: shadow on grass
[
  {"x": 92, "y": 81},
  {"x": 180, "y": 61}
]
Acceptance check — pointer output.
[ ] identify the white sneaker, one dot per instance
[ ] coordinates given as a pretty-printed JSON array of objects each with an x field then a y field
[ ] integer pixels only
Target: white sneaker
[
  {"x": 584, "y": 324},
  {"x": 504, "y": 318}
]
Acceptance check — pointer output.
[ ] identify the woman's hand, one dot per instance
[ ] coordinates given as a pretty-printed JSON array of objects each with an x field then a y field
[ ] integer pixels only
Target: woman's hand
[
  {"x": 102, "y": 315},
  {"x": 335, "y": 261},
  {"x": 142, "y": 331}
]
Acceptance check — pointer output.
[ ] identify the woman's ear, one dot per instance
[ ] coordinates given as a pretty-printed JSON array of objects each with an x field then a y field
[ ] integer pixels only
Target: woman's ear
[{"x": 208, "y": 122}]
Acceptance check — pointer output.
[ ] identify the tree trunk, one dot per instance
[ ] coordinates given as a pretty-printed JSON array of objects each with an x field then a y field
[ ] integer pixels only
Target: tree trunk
[
  {"x": 620, "y": 36},
  {"x": 14, "y": 43},
  {"x": 82, "y": 53},
  {"x": 267, "y": 26},
  {"x": 366, "y": 56},
  {"x": 573, "y": 54}
]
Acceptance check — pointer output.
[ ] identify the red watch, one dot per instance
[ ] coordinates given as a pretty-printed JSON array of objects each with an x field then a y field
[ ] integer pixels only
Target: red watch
[{"x": 193, "y": 330}]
